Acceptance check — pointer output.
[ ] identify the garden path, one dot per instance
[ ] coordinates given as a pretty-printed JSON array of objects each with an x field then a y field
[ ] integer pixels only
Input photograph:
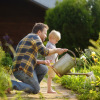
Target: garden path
[{"x": 62, "y": 93}]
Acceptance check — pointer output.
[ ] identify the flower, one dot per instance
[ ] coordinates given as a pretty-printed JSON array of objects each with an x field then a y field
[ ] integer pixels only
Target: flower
[
  {"x": 93, "y": 54},
  {"x": 7, "y": 39},
  {"x": 83, "y": 57},
  {"x": 95, "y": 60}
]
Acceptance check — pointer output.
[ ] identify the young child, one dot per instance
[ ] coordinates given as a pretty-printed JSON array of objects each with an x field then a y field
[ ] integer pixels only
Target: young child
[{"x": 54, "y": 37}]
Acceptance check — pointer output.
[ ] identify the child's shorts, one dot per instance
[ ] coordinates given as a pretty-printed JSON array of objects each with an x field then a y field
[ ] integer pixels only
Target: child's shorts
[{"x": 51, "y": 72}]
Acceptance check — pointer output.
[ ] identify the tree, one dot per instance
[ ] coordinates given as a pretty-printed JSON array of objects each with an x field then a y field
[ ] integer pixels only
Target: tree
[{"x": 77, "y": 20}]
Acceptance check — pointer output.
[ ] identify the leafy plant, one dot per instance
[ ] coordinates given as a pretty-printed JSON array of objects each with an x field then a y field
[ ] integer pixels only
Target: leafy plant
[
  {"x": 87, "y": 59},
  {"x": 5, "y": 81},
  {"x": 7, "y": 60},
  {"x": 2, "y": 53},
  {"x": 88, "y": 88},
  {"x": 95, "y": 45}
]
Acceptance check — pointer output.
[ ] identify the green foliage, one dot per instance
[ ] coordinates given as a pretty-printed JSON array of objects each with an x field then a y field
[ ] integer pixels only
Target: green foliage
[
  {"x": 2, "y": 53},
  {"x": 87, "y": 58},
  {"x": 81, "y": 85},
  {"x": 57, "y": 79},
  {"x": 7, "y": 60},
  {"x": 88, "y": 88},
  {"x": 96, "y": 69},
  {"x": 76, "y": 20},
  {"x": 95, "y": 12},
  {"x": 95, "y": 45},
  {"x": 5, "y": 81}
]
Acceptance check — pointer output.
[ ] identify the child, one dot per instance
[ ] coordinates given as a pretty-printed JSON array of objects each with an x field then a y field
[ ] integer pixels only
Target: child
[{"x": 54, "y": 37}]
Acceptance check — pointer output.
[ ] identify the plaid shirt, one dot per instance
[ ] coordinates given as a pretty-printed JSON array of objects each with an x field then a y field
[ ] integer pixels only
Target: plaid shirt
[{"x": 26, "y": 53}]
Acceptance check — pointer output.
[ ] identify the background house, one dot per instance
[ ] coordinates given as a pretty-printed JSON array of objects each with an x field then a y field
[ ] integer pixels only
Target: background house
[{"x": 17, "y": 17}]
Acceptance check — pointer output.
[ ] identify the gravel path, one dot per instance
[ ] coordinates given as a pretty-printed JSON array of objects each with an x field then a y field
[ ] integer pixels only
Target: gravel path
[{"x": 62, "y": 93}]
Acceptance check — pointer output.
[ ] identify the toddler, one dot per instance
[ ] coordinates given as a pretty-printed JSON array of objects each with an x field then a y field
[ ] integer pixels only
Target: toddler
[{"x": 54, "y": 37}]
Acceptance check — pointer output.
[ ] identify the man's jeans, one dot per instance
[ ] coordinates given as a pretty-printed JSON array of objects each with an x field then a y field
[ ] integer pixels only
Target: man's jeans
[{"x": 29, "y": 84}]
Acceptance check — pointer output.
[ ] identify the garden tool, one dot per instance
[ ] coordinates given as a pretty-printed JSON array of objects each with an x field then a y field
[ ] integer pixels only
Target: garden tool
[{"x": 65, "y": 64}]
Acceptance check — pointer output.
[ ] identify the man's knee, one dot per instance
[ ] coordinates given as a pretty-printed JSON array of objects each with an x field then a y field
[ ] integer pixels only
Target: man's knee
[{"x": 36, "y": 90}]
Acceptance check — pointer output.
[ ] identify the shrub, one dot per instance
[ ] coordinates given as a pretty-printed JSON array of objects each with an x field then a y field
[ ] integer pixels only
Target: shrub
[
  {"x": 95, "y": 45},
  {"x": 7, "y": 60},
  {"x": 5, "y": 81},
  {"x": 2, "y": 54}
]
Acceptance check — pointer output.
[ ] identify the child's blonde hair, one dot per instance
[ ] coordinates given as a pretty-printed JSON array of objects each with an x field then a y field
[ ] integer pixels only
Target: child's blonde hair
[{"x": 55, "y": 34}]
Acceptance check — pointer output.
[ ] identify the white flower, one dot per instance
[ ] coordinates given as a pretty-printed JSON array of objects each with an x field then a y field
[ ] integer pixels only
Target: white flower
[
  {"x": 83, "y": 57},
  {"x": 93, "y": 54}
]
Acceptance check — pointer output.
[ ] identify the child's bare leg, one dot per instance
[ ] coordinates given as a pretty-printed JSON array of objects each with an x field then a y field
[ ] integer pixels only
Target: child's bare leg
[{"x": 50, "y": 90}]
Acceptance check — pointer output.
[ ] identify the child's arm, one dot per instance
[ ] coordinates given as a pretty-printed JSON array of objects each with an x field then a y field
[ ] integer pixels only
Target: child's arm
[{"x": 57, "y": 50}]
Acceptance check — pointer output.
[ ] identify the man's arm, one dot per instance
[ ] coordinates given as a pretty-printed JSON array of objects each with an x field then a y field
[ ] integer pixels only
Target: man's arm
[
  {"x": 52, "y": 51},
  {"x": 46, "y": 62}
]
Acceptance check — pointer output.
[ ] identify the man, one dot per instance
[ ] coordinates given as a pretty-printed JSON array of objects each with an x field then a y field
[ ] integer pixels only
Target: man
[{"x": 26, "y": 67}]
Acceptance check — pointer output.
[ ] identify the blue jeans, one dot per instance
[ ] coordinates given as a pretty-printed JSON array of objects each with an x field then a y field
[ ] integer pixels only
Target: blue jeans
[{"x": 29, "y": 84}]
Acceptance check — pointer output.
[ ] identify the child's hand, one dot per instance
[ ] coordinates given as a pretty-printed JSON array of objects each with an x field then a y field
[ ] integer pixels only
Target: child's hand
[{"x": 61, "y": 51}]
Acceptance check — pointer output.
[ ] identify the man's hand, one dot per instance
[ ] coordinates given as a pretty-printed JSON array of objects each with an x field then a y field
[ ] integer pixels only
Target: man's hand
[{"x": 47, "y": 62}]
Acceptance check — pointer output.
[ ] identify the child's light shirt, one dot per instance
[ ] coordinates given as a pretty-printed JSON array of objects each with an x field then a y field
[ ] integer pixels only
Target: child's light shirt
[{"x": 53, "y": 57}]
